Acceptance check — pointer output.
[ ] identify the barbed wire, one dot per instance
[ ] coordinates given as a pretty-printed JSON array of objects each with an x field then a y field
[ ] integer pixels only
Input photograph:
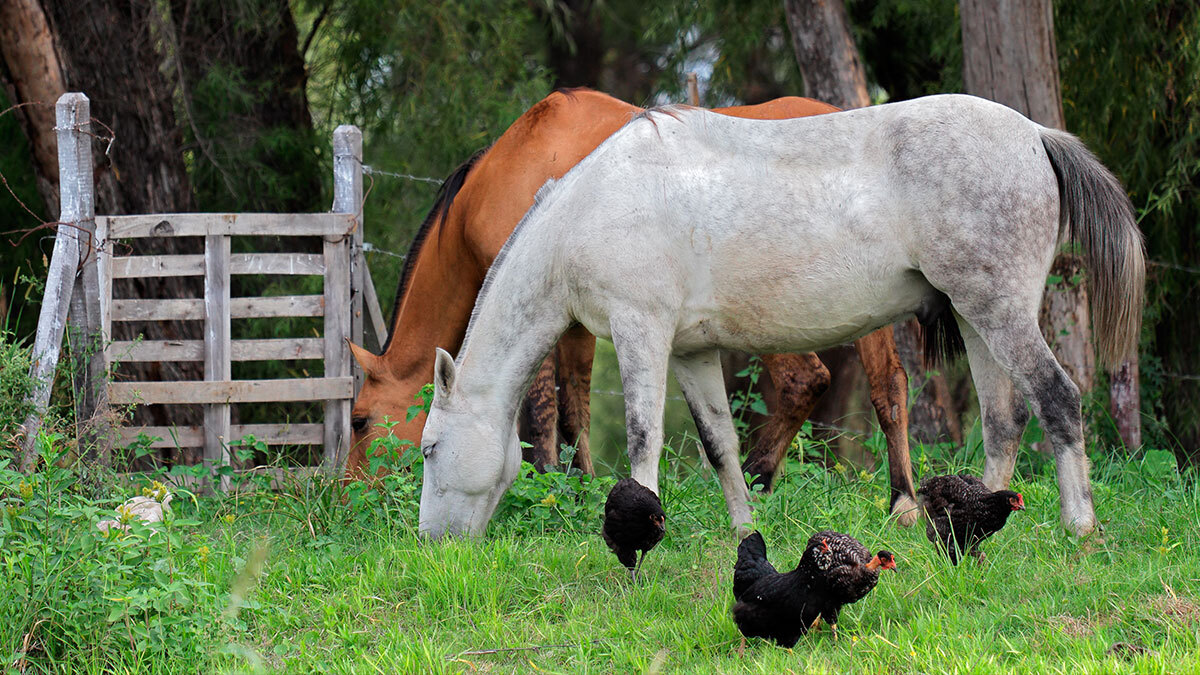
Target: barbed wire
[
  {"x": 1175, "y": 266},
  {"x": 370, "y": 170},
  {"x": 368, "y": 247}
]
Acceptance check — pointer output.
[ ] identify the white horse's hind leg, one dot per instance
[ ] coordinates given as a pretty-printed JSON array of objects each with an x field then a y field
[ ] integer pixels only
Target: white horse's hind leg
[
  {"x": 1002, "y": 409},
  {"x": 642, "y": 353},
  {"x": 703, "y": 384},
  {"x": 1020, "y": 349}
]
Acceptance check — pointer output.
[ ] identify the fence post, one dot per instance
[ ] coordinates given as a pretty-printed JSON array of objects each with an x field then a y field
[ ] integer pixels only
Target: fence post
[
  {"x": 217, "y": 349},
  {"x": 343, "y": 291},
  {"x": 348, "y": 198},
  {"x": 72, "y": 296}
]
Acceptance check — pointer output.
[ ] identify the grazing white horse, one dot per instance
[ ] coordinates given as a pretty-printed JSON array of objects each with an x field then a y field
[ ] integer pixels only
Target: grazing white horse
[{"x": 687, "y": 232}]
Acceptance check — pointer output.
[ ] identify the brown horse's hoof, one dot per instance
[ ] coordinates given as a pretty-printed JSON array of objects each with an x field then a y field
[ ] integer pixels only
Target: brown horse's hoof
[{"x": 906, "y": 511}]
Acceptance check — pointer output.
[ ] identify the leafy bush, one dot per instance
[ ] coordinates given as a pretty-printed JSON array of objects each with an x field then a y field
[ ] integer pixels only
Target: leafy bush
[{"x": 75, "y": 593}]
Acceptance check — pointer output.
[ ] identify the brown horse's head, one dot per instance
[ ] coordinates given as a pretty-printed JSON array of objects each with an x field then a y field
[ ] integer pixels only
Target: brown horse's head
[{"x": 384, "y": 398}]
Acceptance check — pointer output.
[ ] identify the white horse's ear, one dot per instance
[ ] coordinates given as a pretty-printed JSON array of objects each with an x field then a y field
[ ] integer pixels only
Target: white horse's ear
[{"x": 443, "y": 373}]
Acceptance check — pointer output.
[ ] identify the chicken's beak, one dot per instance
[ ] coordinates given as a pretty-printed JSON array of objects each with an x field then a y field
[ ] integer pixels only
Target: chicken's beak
[{"x": 1020, "y": 505}]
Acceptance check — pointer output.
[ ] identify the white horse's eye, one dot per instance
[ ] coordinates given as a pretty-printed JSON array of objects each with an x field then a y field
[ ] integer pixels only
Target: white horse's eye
[{"x": 428, "y": 450}]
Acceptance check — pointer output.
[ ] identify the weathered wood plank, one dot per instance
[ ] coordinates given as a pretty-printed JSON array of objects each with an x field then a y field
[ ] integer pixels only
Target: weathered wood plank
[
  {"x": 218, "y": 333},
  {"x": 129, "y": 267},
  {"x": 278, "y": 263},
  {"x": 240, "y": 308},
  {"x": 237, "y": 224},
  {"x": 374, "y": 314},
  {"x": 283, "y": 305},
  {"x": 337, "y": 352},
  {"x": 273, "y": 349},
  {"x": 236, "y": 391},
  {"x": 193, "y": 437}
]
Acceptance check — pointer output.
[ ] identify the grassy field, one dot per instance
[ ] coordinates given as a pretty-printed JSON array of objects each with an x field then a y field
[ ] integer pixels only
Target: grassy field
[{"x": 300, "y": 581}]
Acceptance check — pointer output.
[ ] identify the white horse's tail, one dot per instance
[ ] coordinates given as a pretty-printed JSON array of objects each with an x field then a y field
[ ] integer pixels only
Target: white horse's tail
[{"x": 1100, "y": 217}]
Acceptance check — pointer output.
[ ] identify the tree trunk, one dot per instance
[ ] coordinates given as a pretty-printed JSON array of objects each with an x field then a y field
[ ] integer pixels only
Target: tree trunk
[
  {"x": 1009, "y": 56},
  {"x": 575, "y": 43},
  {"x": 828, "y": 57},
  {"x": 106, "y": 49},
  {"x": 244, "y": 89},
  {"x": 33, "y": 73}
]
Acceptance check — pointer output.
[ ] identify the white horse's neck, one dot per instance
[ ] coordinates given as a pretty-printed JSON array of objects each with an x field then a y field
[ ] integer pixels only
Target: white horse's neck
[{"x": 517, "y": 320}]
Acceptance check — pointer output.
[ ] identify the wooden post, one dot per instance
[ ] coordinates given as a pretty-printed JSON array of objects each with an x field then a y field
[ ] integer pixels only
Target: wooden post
[
  {"x": 347, "y": 198},
  {"x": 693, "y": 90},
  {"x": 217, "y": 350},
  {"x": 337, "y": 351},
  {"x": 72, "y": 296}
]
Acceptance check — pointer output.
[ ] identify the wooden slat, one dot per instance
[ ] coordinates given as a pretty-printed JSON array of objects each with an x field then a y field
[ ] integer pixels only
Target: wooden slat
[
  {"x": 283, "y": 305},
  {"x": 277, "y": 263},
  {"x": 337, "y": 352},
  {"x": 188, "y": 309},
  {"x": 237, "y": 391},
  {"x": 136, "y": 266},
  {"x": 274, "y": 349},
  {"x": 129, "y": 267},
  {"x": 371, "y": 305},
  {"x": 240, "y": 308},
  {"x": 278, "y": 349},
  {"x": 239, "y": 224},
  {"x": 127, "y": 351},
  {"x": 193, "y": 437},
  {"x": 218, "y": 333}
]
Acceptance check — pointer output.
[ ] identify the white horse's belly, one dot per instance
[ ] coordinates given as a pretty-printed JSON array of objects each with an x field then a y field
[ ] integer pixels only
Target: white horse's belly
[{"x": 795, "y": 311}]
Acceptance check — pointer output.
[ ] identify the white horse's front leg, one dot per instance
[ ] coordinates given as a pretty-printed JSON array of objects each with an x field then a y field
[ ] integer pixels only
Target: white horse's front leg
[
  {"x": 642, "y": 353},
  {"x": 703, "y": 384}
]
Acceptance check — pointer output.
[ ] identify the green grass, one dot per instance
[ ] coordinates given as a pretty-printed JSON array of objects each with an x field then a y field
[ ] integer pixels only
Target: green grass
[{"x": 346, "y": 593}]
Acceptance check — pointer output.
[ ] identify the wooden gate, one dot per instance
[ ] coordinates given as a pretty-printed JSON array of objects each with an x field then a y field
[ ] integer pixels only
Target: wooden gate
[{"x": 84, "y": 256}]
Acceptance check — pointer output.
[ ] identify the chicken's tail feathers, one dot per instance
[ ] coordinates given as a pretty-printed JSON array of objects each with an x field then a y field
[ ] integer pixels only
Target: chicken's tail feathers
[
  {"x": 752, "y": 545},
  {"x": 751, "y": 565}
]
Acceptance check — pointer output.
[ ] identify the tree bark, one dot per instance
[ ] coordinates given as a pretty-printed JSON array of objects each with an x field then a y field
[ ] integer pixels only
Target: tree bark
[
  {"x": 33, "y": 74},
  {"x": 825, "y": 49},
  {"x": 107, "y": 49},
  {"x": 1009, "y": 56},
  {"x": 244, "y": 86}
]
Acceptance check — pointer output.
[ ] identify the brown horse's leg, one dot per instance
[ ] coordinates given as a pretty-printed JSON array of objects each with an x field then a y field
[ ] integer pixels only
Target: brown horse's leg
[
  {"x": 799, "y": 380},
  {"x": 889, "y": 395},
  {"x": 539, "y": 418},
  {"x": 576, "y": 350}
]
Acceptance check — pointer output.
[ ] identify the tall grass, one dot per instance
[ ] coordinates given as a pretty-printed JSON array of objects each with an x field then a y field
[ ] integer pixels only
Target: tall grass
[{"x": 317, "y": 577}]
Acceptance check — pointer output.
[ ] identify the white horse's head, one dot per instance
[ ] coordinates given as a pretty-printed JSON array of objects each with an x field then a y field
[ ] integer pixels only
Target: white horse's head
[{"x": 471, "y": 458}]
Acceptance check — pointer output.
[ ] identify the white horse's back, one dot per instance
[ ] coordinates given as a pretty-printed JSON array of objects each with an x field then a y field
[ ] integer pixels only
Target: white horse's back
[{"x": 792, "y": 235}]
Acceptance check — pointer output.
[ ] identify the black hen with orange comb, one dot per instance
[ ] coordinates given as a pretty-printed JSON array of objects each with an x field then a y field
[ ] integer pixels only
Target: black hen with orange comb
[{"x": 960, "y": 512}]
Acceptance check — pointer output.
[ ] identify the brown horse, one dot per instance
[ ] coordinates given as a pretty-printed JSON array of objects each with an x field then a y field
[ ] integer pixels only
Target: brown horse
[{"x": 478, "y": 207}]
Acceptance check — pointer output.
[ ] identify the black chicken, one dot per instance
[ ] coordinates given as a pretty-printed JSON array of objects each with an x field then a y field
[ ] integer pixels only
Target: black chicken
[
  {"x": 960, "y": 512},
  {"x": 633, "y": 521},
  {"x": 835, "y": 570}
]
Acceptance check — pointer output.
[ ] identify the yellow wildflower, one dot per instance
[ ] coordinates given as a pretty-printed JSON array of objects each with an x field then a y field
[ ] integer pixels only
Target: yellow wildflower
[
  {"x": 26, "y": 491},
  {"x": 229, "y": 518},
  {"x": 202, "y": 553},
  {"x": 550, "y": 500}
]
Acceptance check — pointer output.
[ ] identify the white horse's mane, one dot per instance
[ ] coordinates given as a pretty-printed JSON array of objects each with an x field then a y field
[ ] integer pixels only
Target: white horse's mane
[{"x": 538, "y": 198}]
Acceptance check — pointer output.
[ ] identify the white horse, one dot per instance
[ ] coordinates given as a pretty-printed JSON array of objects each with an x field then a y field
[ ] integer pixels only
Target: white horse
[{"x": 688, "y": 232}]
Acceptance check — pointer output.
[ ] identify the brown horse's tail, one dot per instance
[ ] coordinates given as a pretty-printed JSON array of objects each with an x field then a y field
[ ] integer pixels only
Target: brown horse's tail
[{"x": 1100, "y": 217}]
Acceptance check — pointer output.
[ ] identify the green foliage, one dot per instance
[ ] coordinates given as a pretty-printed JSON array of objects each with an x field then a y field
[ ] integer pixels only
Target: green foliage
[
  {"x": 1130, "y": 71},
  {"x": 82, "y": 595}
]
